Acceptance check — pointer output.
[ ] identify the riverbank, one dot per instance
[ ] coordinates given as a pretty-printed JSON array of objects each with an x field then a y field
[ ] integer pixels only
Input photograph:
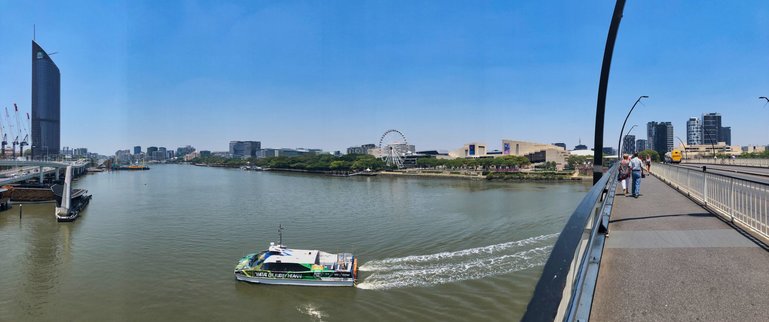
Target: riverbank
[
  {"x": 492, "y": 176},
  {"x": 428, "y": 173},
  {"x": 534, "y": 176}
]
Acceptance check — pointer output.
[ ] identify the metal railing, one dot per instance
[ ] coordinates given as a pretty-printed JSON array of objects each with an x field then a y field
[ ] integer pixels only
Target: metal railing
[
  {"x": 764, "y": 163},
  {"x": 564, "y": 292},
  {"x": 741, "y": 201}
]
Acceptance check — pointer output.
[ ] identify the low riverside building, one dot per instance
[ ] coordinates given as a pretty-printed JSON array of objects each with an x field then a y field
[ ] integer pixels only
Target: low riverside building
[
  {"x": 753, "y": 149},
  {"x": 470, "y": 150},
  {"x": 536, "y": 152},
  {"x": 696, "y": 151},
  {"x": 363, "y": 149},
  {"x": 189, "y": 156},
  {"x": 244, "y": 149},
  {"x": 522, "y": 148}
]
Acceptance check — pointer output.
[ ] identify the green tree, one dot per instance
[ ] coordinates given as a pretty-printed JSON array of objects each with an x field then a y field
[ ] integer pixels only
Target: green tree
[
  {"x": 648, "y": 152},
  {"x": 574, "y": 161}
]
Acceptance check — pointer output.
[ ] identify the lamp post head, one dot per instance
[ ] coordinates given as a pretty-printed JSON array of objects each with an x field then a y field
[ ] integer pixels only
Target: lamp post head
[
  {"x": 764, "y": 97},
  {"x": 644, "y": 96}
]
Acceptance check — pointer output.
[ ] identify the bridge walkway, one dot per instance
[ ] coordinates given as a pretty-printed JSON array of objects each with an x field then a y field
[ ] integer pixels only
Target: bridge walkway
[{"x": 668, "y": 259}]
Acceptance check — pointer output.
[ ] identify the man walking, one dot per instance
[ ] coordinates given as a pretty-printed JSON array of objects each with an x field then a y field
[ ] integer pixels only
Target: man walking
[{"x": 637, "y": 166}]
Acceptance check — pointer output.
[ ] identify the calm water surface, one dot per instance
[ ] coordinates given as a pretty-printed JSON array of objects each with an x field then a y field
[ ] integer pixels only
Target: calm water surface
[{"x": 162, "y": 245}]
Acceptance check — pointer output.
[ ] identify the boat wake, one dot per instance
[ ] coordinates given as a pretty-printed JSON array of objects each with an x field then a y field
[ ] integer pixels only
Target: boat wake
[
  {"x": 462, "y": 265},
  {"x": 313, "y": 312}
]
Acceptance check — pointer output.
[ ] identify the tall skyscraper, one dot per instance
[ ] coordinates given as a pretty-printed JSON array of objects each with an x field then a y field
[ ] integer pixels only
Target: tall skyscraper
[
  {"x": 137, "y": 150},
  {"x": 650, "y": 131},
  {"x": 628, "y": 144},
  {"x": 161, "y": 154},
  {"x": 711, "y": 128},
  {"x": 693, "y": 131},
  {"x": 663, "y": 138},
  {"x": 725, "y": 135},
  {"x": 46, "y": 103},
  {"x": 641, "y": 145}
]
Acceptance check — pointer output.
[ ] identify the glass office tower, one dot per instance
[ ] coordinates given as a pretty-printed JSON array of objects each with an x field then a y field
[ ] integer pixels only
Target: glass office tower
[{"x": 46, "y": 105}]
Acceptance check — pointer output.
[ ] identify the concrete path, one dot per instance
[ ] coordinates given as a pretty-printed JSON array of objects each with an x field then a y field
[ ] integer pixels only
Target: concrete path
[{"x": 667, "y": 259}]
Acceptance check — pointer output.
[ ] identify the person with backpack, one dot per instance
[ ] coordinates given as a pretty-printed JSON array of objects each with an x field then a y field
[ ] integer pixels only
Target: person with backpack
[{"x": 624, "y": 172}]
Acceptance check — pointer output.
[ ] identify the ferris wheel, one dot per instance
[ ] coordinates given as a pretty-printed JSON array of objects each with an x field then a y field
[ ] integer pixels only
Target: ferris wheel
[{"x": 393, "y": 148}]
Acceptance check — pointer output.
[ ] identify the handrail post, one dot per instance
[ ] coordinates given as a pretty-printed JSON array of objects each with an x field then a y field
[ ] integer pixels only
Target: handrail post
[
  {"x": 731, "y": 201},
  {"x": 705, "y": 189}
]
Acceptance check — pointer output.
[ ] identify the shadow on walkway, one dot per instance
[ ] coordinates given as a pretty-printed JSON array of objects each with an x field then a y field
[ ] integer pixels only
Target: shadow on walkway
[{"x": 662, "y": 216}]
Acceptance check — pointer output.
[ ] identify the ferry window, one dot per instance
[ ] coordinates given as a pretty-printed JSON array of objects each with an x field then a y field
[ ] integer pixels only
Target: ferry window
[{"x": 284, "y": 267}]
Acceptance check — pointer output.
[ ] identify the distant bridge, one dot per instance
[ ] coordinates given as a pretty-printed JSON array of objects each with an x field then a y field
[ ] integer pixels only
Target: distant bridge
[{"x": 30, "y": 169}]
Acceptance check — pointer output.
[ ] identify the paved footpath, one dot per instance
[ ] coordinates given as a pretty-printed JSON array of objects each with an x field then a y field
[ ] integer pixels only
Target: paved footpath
[{"x": 668, "y": 259}]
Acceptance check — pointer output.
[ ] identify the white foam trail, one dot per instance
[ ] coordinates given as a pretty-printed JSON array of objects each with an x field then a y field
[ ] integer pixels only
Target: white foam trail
[
  {"x": 391, "y": 263},
  {"x": 447, "y": 267},
  {"x": 311, "y": 311}
]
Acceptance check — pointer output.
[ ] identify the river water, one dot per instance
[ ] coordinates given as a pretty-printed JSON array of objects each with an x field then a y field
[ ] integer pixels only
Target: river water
[{"x": 162, "y": 244}]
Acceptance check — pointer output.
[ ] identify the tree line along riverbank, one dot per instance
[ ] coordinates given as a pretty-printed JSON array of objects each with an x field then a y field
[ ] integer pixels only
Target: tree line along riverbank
[{"x": 499, "y": 169}]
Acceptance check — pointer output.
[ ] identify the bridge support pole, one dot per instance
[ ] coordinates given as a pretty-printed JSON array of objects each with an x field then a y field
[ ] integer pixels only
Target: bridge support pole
[
  {"x": 57, "y": 174},
  {"x": 42, "y": 176}
]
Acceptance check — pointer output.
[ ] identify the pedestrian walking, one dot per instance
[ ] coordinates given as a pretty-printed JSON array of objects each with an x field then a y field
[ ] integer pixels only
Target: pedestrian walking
[
  {"x": 648, "y": 163},
  {"x": 636, "y": 165},
  {"x": 624, "y": 172}
]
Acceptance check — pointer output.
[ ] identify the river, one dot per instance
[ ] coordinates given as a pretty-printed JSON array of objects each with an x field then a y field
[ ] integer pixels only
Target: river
[{"x": 162, "y": 244}]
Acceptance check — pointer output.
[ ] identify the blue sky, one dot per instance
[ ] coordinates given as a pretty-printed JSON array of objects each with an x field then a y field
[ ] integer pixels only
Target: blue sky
[{"x": 333, "y": 74}]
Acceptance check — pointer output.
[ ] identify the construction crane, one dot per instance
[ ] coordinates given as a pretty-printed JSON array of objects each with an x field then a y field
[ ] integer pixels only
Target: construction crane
[
  {"x": 5, "y": 136},
  {"x": 25, "y": 133},
  {"x": 15, "y": 140}
]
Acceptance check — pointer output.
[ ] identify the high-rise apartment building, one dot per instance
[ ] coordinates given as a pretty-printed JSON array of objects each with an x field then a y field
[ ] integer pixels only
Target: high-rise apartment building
[
  {"x": 46, "y": 103},
  {"x": 693, "y": 131},
  {"x": 628, "y": 144},
  {"x": 641, "y": 145},
  {"x": 650, "y": 131},
  {"x": 137, "y": 150},
  {"x": 711, "y": 128}
]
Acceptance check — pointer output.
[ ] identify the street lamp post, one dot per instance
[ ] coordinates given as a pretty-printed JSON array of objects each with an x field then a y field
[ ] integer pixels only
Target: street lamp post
[
  {"x": 684, "y": 145},
  {"x": 603, "y": 84},
  {"x": 619, "y": 153},
  {"x": 619, "y": 144},
  {"x": 764, "y": 97}
]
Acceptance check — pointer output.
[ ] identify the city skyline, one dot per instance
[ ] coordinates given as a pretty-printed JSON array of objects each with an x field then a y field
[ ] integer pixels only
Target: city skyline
[{"x": 333, "y": 76}]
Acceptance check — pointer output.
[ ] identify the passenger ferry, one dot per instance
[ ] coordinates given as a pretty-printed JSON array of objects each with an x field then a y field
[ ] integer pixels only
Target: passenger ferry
[{"x": 285, "y": 266}]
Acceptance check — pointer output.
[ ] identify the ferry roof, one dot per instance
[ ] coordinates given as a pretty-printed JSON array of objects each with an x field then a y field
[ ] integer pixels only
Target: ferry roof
[{"x": 301, "y": 256}]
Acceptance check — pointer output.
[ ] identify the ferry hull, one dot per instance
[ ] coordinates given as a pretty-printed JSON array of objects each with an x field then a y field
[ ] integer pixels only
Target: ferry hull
[{"x": 298, "y": 282}]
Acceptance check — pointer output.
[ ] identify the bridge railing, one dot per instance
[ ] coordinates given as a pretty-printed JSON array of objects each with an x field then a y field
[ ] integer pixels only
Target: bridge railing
[
  {"x": 564, "y": 292},
  {"x": 741, "y": 201},
  {"x": 764, "y": 163}
]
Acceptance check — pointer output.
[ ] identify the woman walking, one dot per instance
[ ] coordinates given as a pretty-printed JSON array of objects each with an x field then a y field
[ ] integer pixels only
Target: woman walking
[{"x": 624, "y": 172}]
